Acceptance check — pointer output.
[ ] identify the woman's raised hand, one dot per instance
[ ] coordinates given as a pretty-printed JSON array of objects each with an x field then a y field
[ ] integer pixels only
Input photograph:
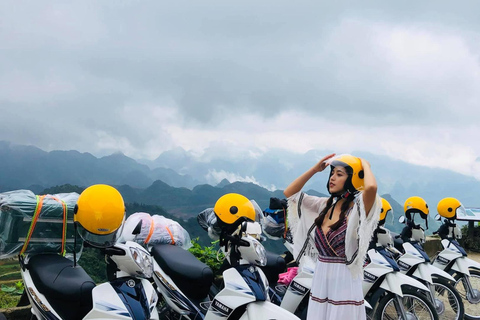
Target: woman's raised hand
[
  {"x": 365, "y": 163},
  {"x": 322, "y": 164},
  {"x": 298, "y": 183}
]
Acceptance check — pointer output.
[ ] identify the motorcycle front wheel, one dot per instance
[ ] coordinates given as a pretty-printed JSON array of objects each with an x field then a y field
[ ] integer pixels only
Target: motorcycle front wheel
[
  {"x": 417, "y": 307},
  {"x": 471, "y": 301},
  {"x": 448, "y": 302}
]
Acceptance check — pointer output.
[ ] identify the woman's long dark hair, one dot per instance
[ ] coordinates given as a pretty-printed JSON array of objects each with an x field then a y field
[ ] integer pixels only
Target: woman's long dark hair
[{"x": 343, "y": 212}]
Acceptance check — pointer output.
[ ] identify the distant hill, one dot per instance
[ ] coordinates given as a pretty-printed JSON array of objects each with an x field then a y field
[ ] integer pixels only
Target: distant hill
[
  {"x": 27, "y": 167},
  {"x": 276, "y": 168},
  {"x": 32, "y": 168}
]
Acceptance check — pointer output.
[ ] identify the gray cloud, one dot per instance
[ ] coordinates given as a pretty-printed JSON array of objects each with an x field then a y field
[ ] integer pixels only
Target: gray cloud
[{"x": 71, "y": 72}]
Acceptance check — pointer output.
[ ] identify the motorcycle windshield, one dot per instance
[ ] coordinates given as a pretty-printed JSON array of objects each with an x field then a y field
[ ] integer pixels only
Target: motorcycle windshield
[
  {"x": 459, "y": 247},
  {"x": 419, "y": 248},
  {"x": 389, "y": 257}
]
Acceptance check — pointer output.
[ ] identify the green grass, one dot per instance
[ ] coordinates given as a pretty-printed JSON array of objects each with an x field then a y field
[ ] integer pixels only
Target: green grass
[
  {"x": 7, "y": 266},
  {"x": 9, "y": 276},
  {"x": 14, "y": 275},
  {"x": 8, "y": 300}
]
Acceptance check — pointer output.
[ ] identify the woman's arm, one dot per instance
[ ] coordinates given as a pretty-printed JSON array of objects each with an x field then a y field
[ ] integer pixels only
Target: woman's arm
[
  {"x": 298, "y": 183},
  {"x": 370, "y": 186}
]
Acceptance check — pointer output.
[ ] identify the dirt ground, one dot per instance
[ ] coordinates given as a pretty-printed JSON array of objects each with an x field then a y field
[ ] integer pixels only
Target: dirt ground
[{"x": 474, "y": 256}]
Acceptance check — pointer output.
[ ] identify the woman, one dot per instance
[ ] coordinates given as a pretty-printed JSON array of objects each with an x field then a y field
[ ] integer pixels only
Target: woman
[{"x": 336, "y": 232}]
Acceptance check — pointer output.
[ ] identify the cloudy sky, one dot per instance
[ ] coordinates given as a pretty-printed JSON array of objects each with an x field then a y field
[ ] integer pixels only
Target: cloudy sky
[{"x": 141, "y": 77}]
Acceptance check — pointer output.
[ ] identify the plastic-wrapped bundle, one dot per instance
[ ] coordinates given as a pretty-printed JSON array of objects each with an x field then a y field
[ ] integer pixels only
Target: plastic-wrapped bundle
[
  {"x": 208, "y": 221},
  {"x": 277, "y": 215},
  {"x": 274, "y": 223},
  {"x": 156, "y": 229},
  {"x": 33, "y": 224},
  {"x": 273, "y": 229}
]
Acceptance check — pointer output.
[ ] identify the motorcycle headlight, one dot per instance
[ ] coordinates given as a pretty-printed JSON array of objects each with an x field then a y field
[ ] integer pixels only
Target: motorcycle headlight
[
  {"x": 144, "y": 262},
  {"x": 261, "y": 254}
]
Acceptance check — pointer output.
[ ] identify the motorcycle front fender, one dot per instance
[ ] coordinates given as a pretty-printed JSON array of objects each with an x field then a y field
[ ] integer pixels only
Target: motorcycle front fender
[
  {"x": 440, "y": 273},
  {"x": 472, "y": 264},
  {"x": 394, "y": 281},
  {"x": 462, "y": 264},
  {"x": 423, "y": 272},
  {"x": 266, "y": 311}
]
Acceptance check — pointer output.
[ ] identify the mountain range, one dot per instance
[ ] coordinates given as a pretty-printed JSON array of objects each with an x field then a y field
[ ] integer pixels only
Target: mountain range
[{"x": 178, "y": 174}]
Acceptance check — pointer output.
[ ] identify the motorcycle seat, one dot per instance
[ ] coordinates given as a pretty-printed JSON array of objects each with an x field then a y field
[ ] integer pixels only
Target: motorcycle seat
[
  {"x": 192, "y": 276},
  {"x": 68, "y": 289},
  {"x": 275, "y": 265}
]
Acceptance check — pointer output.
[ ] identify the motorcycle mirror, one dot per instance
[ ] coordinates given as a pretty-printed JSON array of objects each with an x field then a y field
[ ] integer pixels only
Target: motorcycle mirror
[
  {"x": 438, "y": 217},
  {"x": 244, "y": 226},
  {"x": 401, "y": 219},
  {"x": 138, "y": 228}
]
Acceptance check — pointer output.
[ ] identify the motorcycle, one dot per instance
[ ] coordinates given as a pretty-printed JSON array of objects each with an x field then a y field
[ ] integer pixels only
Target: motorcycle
[
  {"x": 58, "y": 288},
  {"x": 392, "y": 294},
  {"x": 413, "y": 261},
  {"x": 186, "y": 283},
  {"x": 466, "y": 272}
]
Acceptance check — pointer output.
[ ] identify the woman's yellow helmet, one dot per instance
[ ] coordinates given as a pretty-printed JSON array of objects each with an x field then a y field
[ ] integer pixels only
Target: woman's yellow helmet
[{"x": 354, "y": 168}]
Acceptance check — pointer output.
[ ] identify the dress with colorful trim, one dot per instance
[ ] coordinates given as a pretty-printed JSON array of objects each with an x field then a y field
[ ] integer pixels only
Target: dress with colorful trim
[{"x": 335, "y": 293}]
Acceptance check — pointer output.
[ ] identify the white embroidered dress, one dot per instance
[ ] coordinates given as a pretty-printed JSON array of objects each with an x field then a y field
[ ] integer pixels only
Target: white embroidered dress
[{"x": 337, "y": 284}]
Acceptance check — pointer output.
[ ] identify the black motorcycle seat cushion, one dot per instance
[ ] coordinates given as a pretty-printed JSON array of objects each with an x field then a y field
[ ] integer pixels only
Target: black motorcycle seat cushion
[
  {"x": 192, "y": 276},
  {"x": 275, "y": 265},
  {"x": 54, "y": 276}
]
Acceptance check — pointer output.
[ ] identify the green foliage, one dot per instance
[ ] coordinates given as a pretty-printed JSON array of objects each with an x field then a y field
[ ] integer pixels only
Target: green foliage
[
  {"x": 8, "y": 300},
  {"x": 208, "y": 254},
  {"x": 471, "y": 242},
  {"x": 17, "y": 288},
  {"x": 10, "y": 294},
  {"x": 93, "y": 262}
]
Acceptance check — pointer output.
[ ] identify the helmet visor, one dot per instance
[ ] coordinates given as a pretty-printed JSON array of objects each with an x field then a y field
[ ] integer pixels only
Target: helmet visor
[
  {"x": 389, "y": 217},
  {"x": 461, "y": 212},
  {"x": 258, "y": 211},
  {"x": 99, "y": 240}
]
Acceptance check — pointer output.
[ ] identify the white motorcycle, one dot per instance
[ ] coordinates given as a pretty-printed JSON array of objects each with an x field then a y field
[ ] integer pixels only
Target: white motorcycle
[
  {"x": 186, "y": 283},
  {"x": 392, "y": 294},
  {"x": 453, "y": 259},
  {"x": 57, "y": 288},
  {"x": 413, "y": 261}
]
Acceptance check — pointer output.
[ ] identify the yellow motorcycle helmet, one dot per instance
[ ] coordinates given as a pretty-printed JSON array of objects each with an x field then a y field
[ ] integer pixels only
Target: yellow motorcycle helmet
[
  {"x": 353, "y": 166},
  {"x": 414, "y": 205},
  {"x": 99, "y": 215},
  {"x": 386, "y": 208},
  {"x": 231, "y": 206},
  {"x": 450, "y": 207}
]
